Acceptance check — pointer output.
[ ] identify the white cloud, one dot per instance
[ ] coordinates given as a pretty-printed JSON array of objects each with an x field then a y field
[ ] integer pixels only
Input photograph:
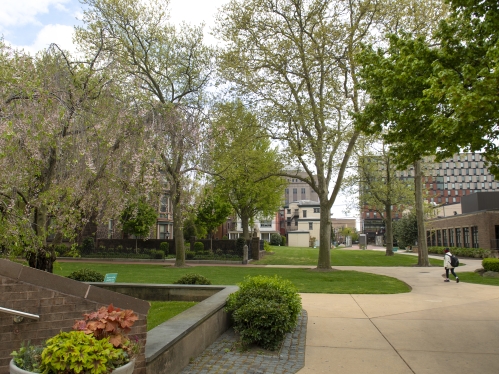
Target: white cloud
[
  {"x": 17, "y": 13},
  {"x": 62, "y": 35}
]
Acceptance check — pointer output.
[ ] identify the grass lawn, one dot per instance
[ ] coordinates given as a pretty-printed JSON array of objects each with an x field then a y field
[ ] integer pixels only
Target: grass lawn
[
  {"x": 472, "y": 277},
  {"x": 162, "y": 311},
  {"x": 307, "y": 281},
  {"x": 339, "y": 257}
]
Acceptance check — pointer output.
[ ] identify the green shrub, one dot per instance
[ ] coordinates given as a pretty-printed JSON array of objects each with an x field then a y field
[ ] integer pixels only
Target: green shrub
[
  {"x": 462, "y": 252},
  {"x": 491, "y": 264},
  {"x": 157, "y": 254},
  {"x": 275, "y": 239},
  {"x": 192, "y": 278},
  {"x": 224, "y": 237},
  {"x": 189, "y": 255},
  {"x": 283, "y": 240},
  {"x": 198, "y": 247},
  {"x": 219, "y": 252},
  {"x": 165, "y": 247},
  {"x": 86, "y": 275},
  {"x": 88, "y": 245},
  {"x": 59, "y": 354},
  {"x": 266, "y": 246},
  {"x": 264, "y": 310},
  {"x": 28, "y": 357}
]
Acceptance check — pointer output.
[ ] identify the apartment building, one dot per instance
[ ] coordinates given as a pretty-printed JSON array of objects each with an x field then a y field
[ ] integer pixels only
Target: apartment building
[{"x": 303, "y": 223}]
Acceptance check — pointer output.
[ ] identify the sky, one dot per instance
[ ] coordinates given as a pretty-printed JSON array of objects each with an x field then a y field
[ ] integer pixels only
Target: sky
[{"x": 34, "y": 24}]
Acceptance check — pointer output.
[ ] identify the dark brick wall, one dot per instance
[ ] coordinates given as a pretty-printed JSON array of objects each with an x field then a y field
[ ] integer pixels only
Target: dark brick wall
[
  {"x": 485, "y": 221},
  {"x": 59, "y": 302}
]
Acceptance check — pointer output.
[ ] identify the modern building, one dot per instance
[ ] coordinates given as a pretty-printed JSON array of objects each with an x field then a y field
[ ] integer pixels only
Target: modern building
[
  {"x": 446, "y": 183},
  {"x": 476, "y": 227}
]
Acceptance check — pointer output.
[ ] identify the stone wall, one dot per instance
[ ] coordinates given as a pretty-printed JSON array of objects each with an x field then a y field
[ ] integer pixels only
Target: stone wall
[{"x": 59, "y": 301}]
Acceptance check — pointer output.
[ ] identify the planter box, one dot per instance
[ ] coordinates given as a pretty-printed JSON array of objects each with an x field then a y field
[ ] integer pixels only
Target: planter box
[{"x": 125, "y": 369}]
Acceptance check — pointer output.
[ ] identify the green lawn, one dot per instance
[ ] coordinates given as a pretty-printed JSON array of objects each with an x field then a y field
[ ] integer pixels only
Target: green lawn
[
  {"x": 308, "y": 281},
  {"x": 162, "y": 311},
  {"x": 472, "y": 277},
  {"x": 339, "y": 257}
]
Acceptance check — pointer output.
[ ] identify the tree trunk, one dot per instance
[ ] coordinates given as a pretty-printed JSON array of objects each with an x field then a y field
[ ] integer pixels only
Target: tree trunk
[
  {"x": 389, "y": 229},
  {"x": 178, "y": 230},
  {"x": 43, "y": 257},
  {"x": 245, "y": 225},
  {"x": 324, "y": 261},
  {"x": 422, "y": 248}
]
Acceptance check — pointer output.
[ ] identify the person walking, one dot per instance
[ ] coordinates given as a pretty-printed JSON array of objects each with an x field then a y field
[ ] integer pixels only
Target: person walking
[{"x": 448, "y": 266}]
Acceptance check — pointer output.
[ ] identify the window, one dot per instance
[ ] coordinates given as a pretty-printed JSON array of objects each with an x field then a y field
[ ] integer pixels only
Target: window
[
  {"x": 289, "y": 211},
  {"x": 439, "y": 238},
  {"x": 289, "y": 223},
  {"x": 266, "y": 224},
  {"x": 163, "y": 232},
  {"x": 295, "y": 191},
  {"x": 466, "y": 234},
  {"x": 310, "y": 225},
  {"x": 444, "y": 237},
  {"x": 458, "y": 237},
  {"x": 303, "y": 191},
  {"x": 304, "y": 214},
  {"x": 474, "y": 236},
  {"x": 287, "y": 191},
  {"x": 451, "y": 237},
  {"x": 317, "y": 210}
]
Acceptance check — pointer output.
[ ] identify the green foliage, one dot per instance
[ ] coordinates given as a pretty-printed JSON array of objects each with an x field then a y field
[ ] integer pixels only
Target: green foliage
[
  {"x": 213, "y": 211},
  {"x": 75, "y": 352},
  {"x": 462, "y": 251},
  {"x": 198, "y": 247},
  {"x": 192, "y": 278},
  {"x": 264, "y": 309},
  {"x": 275, "y": 239},
  {"x": 165, "y": 247},
  {"x": 283, "y": 240},
  {"x": 87, "y": 275},
  {"x": 245, "y": 163},
  {"x": 266, "y": 246},
  {"x": 491, "y": 264},
  {"x": 405, "y": 230},
  {"x": 28, "y": 357},
  {"x": 157, "y": 254},
  {"x": 88, "y": 245},
  {"x": 189, "y": 255},
  {"x": 138, "y": 218}
]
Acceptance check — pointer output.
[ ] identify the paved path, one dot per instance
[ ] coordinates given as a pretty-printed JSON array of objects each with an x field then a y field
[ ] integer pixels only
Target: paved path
[{"x": 436, "y": 328}]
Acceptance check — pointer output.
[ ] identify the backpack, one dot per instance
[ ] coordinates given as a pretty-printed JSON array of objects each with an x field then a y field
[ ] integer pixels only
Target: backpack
[{"x": 454, "y": 261}]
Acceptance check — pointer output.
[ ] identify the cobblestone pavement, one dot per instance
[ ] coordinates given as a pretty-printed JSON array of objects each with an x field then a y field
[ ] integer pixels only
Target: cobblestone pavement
[{"x": 224, "y": 357}]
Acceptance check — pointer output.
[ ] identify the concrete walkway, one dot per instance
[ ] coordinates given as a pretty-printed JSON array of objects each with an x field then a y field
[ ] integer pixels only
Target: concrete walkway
[{"x": 437, "y": 328}]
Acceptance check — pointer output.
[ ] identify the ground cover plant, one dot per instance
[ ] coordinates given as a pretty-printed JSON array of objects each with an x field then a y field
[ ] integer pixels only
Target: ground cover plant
[
  {"x": 473, "y": 277},
  {"x": 339, "y": 257},
  {"x": 305, "y": 280}
]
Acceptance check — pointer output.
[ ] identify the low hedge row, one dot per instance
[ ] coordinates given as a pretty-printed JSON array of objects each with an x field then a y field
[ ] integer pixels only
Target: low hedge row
[
  {"x": 462, "y": 252},
  {"x": 491, "y": 264}
]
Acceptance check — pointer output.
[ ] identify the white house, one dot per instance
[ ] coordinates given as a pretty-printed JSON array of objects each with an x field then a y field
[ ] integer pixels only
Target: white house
[
  {"x": 264, "y": 228},
  {"x": 303, "y": 223}
]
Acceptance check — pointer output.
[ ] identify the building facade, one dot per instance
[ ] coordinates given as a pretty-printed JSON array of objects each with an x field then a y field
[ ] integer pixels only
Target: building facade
[
  {"x": 446, "y": 183},
  {"x": 303, "y": 223}
]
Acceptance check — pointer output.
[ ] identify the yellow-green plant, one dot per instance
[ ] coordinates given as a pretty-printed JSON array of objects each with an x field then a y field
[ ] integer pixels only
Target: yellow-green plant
[{"x": 76, "y": 352}]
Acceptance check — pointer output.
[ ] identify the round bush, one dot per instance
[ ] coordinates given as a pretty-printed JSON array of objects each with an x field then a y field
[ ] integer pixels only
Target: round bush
[
  {"x": 198, "y": 247},
  {"x": 86, "y": 275},
  {"x": 491, "y": 264},
  {"x": 283, "y": 240},
  {"x": 192, "y": 278},
  {"x": 264, "y": 310},
  {"x": 275, "y": 239}
]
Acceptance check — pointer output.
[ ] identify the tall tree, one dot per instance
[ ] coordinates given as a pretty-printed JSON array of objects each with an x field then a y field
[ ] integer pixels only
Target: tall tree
[
  {"x": 138, "y": 218},
  {"x": 244, "y": 164},
  {"x": 168, "y": 69},
  {"x": 295, "y": 59},
  {"x": 382, "y": 189},
  {"x": 212, "y": 212},
  {"x": 66, "y": 136}
]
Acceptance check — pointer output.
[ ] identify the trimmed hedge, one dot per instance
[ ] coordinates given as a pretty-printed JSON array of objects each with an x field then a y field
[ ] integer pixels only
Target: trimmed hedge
[
  {"x": 192, "y": 278},
  {"x": 462, "y": 252},
  {"x": 198, "y": 247},
  {"x": 86, "y": 275},
  {"x": 275, "y": 239},
  {"x": 491, "y": 264},
  {"x": 264, "y": 310}
]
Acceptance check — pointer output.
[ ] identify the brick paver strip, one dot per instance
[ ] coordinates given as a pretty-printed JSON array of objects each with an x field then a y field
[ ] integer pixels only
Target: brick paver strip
[{"x": 223, "y": 356}]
